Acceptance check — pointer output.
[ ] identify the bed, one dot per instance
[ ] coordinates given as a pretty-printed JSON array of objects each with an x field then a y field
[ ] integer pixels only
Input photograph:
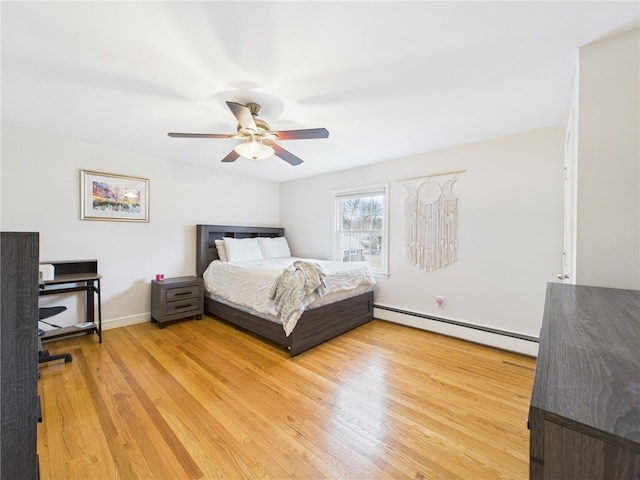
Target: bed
[{"x": 315, "y": 326}]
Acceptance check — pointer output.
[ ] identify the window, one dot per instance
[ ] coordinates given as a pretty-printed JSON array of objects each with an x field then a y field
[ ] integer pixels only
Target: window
[{"x": 360, "y": 227}]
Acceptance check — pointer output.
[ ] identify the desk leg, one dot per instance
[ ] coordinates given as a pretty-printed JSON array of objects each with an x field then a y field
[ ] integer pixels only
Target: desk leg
[
  {"x": 89, "y": 303},
  {"x": 90, "y": 306},
  {"x": 99, "y": 314}
]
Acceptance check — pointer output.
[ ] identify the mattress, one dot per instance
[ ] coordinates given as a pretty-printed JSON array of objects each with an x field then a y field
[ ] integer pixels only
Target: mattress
[{"x": 246, "y": 285}]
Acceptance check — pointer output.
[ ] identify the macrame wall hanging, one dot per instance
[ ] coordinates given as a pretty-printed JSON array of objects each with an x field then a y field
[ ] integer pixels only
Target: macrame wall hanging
[{"x": 431, "y": 222}]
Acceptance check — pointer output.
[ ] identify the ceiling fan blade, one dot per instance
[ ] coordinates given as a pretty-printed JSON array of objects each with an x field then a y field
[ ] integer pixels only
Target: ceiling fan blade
[
  {"x": 201, "y": 135},
  {"x": 303, "y": 134},
  {"x": 232, "y": 157},
  {"x": 285, "y": 155},
  {"x": 243, "y": 115}
]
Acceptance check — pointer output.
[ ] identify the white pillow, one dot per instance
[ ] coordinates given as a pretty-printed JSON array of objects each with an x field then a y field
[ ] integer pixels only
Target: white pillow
[
  {"x": 222, "y": 253},
  {"x": 242, "y": 249},
  {"x": 276, "y": 247}
]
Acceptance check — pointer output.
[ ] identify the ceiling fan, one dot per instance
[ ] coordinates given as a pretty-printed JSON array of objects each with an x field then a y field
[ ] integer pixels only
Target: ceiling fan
[{"x": 259, "y": 140}]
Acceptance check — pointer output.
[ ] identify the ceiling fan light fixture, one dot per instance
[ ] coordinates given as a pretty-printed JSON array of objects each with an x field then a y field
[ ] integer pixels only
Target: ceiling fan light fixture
[
  {"x": 260, "y": 141},
  {"x": 254, "y": 150}
]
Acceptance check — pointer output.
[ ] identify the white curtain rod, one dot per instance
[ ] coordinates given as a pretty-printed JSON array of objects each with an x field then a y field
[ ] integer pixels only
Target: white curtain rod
[{"x": 453, "y": 172}]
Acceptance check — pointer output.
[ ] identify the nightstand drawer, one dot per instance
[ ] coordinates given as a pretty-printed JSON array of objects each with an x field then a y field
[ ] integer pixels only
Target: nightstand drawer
[
  {"x": 192, "y": 291},
  {"x": 182, "y": 306}
]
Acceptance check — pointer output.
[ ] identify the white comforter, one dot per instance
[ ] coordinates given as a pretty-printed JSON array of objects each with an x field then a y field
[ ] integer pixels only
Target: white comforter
[{"x": 248, "y": 284}]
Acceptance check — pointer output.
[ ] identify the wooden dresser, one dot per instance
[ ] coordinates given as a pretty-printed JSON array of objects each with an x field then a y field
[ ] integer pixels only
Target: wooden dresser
[
  {"x": 19, "y": 355},
  {"x": 584, "y": 417}
]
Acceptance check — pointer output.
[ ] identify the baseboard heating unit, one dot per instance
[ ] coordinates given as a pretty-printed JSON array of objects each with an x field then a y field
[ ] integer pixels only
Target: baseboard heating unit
[{"x": 512, "y": 341}]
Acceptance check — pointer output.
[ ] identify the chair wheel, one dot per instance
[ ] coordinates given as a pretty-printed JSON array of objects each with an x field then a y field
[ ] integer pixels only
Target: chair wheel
[{"x": 68, "y": 359}]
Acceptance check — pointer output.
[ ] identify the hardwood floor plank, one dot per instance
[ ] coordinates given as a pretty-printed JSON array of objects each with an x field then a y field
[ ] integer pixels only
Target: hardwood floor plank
[{"x": 199, "y": 399}]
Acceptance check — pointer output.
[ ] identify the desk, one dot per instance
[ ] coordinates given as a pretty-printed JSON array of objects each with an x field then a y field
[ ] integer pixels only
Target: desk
[{"x": 76, "y": 276}]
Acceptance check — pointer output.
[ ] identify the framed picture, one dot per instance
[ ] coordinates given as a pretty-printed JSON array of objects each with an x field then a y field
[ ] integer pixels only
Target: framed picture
[{"x": 104, "y": 196}]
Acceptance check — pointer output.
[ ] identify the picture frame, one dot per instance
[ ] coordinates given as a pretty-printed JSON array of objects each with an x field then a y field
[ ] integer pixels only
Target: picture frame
[{"x": 107, "y": 196}]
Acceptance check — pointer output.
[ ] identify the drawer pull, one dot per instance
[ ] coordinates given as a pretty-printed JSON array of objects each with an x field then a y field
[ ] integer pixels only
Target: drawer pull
[
  {"x": 182, "y": 293},
  {"x": 183, "y": 306}
]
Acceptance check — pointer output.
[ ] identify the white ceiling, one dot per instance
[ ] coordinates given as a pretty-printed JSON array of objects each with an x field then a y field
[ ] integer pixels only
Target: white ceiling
[{"x": 387, "y": 79}]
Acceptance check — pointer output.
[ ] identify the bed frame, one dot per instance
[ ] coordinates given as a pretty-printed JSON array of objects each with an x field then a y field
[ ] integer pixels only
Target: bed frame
[{"x": 314, "y": 327}]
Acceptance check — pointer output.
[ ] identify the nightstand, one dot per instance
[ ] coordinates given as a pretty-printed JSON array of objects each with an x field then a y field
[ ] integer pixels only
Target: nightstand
[{"x": 175, "y": 298}]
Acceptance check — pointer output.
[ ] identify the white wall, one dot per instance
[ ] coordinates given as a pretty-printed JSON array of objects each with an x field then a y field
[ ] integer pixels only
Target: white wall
[
  {"x": 41, "y": 192},
  {"x": 510, "y": 233},
  {"x": 608, "y": 201}
]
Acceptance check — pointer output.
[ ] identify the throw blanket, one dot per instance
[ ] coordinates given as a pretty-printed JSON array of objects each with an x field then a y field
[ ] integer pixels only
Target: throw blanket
[{"x": 292, "y": 287}]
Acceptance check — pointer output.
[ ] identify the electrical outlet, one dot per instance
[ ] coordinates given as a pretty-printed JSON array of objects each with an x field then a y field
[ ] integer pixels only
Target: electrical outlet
[{"x": 440, "y": 301}]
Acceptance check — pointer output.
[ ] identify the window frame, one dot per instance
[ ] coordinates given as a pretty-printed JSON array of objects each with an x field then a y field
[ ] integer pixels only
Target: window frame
[{"x": 355, "y": 192}]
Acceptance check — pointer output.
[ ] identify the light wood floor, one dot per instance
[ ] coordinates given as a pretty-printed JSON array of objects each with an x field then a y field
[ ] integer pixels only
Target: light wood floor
[{"x": 199, "y": 399}]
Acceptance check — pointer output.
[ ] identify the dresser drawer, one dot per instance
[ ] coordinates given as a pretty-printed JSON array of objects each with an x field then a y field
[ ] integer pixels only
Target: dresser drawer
[{"x": 174, "y": 294}]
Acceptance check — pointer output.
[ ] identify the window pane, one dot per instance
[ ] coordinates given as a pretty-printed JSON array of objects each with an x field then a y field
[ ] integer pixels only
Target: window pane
[
  {"x": 361, "y": 248},
  {"x": 362, "y": 213},
  {"x": 351, "y": 247}
]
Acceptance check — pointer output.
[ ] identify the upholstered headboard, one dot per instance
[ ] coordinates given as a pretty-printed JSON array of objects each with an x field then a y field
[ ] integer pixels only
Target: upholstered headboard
[{"x": 207, "y": 235}]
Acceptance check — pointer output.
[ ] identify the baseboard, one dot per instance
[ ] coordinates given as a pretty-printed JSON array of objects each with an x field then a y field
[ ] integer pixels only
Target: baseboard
[
  {"x": 125, "y": 321},
  {"x": 513, "y": 342}
]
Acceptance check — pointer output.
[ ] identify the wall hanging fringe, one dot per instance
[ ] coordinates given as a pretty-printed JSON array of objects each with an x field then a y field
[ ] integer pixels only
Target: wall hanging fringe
[{"x": 430, "y": 222}]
